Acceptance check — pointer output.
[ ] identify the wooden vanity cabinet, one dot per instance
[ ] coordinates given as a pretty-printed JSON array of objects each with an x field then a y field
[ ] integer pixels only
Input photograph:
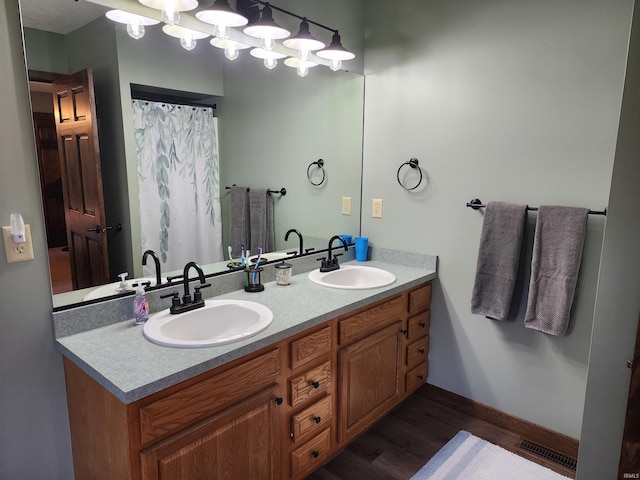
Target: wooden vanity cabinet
[{"x": 277, "y": 413}]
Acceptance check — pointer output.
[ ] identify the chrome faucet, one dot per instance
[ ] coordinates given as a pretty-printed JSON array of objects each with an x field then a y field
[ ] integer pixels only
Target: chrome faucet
[
  {"x": 187, "y": 303},
  {"x": 331, "y": 263},
  {"x": 156, "y": 260},
  {"x": 293, "y": 230}
]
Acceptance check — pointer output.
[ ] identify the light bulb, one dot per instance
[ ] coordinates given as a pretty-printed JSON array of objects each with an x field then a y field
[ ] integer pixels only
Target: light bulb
[
  {"x": 270, "y": 63},
  {"x": 135, "y": 29},
  {"x": 304, "y": 54},
  {"x": 222, "y": 31},
  {"x": 188, "y": 42},
  {"x": 267, "y": 43},
  {"x": 336, "y": 64},
  {"x": 302, "y": 69},
  {"x": 231, "y": 52},
  {"x": 169, "y": 14}
]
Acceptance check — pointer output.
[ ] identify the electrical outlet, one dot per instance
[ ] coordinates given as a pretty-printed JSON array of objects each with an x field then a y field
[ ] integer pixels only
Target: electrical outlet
[
  {"x": 376, "y": 208},
  {"x": 18, "y": 252},
  {"x": 346, "y": 205}
]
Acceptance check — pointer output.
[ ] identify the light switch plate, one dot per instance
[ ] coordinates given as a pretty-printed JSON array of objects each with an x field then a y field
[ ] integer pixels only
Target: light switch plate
[
  {"x": 346, "y": 205},
  {"x": 18, "y": 252},
  {"x": 376, "y": 208}
]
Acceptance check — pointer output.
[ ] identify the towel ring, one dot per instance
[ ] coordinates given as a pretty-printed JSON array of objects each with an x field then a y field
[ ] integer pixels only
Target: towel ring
[
  {"x": 413, "y": 163},
  {"x": 320, "y": 164}
]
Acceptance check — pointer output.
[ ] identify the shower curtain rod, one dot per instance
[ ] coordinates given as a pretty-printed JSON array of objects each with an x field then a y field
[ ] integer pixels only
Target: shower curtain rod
[
  {"x": 476, "y": 204},
  {"x": 282, "y": 191}
]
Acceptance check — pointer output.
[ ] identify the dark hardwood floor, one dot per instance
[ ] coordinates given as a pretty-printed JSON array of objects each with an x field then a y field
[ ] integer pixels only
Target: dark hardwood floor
[{"x": 403, "y": 441}]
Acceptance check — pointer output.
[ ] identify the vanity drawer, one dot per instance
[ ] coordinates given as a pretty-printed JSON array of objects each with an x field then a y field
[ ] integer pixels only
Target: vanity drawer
[
  {"x": 417, "y": 352},
  {"x": 310, "y": 347},
  {"x": 311, "y": 455},
  {"x": 311, "y": 384},
  {"x": 418, "y": 326},
  {"x": 369, "y": 321},
  {"x": 198, "y": 401},
  {"x": 312, "y": 419},
  {"x": 420, "y": 298},
  {"x": 416, "y": 377}
]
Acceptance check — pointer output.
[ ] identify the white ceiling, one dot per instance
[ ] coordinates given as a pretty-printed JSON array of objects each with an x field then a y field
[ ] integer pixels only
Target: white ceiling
[{"x": 59, "y": 16}]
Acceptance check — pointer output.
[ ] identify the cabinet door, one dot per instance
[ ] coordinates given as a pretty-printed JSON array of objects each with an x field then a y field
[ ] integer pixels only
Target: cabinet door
[
  {"x": 368, "y": 380},
  {"x": 240, "y": 442}
]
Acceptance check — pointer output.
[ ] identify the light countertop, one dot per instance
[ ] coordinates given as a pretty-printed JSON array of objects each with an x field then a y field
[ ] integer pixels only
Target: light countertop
[{"x": 131, "y": 367}]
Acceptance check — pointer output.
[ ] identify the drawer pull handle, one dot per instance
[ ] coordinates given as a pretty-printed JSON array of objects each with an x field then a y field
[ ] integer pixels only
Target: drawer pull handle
[
  {"x": 315, "y": 384},
  {"x": 278, "y": 400},
  {"x": 316, "y": 419},
  {"x": 403, "y": 331},
  {"x": 422, "y": 324},
  {"x": 421, "y": 350},
  {"x": 315, "y": 454},
  {"x": 420, "y": 377}
]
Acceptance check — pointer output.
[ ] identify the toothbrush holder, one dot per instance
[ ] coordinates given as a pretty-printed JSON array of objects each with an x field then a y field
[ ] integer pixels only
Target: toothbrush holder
[{"x": 252, "y": 282}]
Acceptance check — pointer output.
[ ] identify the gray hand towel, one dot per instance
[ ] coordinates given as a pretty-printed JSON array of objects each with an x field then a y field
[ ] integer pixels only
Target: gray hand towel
[
  {"x": 262, "y": 220},
  {"x": 239, "y": 218},
  {"x": 557, "y": 253},
  {"x": 498, "y": 259}
]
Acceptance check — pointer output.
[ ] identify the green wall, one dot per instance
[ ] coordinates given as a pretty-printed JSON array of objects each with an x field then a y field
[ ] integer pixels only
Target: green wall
[{"x": 507, "y": 100}]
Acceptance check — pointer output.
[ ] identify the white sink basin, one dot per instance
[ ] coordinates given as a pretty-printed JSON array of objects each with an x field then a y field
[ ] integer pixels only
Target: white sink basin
[
  {"x": 353, "y": 277},
  {"x": 113, "y": 288},
  {"x": 219, "y": 322}
]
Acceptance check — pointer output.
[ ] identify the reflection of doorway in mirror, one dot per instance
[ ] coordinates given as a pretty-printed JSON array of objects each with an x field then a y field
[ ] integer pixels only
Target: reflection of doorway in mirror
[
  {"x": 70, "y": 175},
  {"x": 51, "y": 186}
]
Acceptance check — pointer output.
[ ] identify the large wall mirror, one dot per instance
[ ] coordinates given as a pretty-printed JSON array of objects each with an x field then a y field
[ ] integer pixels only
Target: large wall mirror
[{"x": 271, "y": 126}]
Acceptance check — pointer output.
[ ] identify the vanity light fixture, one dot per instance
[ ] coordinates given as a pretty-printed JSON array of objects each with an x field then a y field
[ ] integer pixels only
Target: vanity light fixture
[
  {"x": 231, "y": 48},
  {"x": 301, "y": 66},
  {"x": 135, "y": 23},
  {"x": 170, "y": 9},
  {"x": 266, "y": 29},
  {"x": 222, "y": 17},
  {"x": 269, "y": 57},
  {"x": 303, "y": 42},
  {"x": 228, "y": 26},
  {"x": 335, "y": 52},
  {"x": 187, "y": 36}
]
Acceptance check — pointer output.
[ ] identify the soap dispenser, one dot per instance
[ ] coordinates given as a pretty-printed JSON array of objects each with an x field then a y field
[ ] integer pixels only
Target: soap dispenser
[
  {"x": 123, "y": 286},
  {"x": 140, "y": 306}
]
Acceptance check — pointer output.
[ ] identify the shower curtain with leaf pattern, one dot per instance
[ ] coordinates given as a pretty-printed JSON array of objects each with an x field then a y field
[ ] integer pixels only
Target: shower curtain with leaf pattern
[{"x": 178, "y": 180}]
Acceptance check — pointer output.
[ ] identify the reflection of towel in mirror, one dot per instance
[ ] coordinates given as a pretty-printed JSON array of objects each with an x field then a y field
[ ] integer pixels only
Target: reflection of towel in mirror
[
  {"x": 498, "y": 259},
  {"x": 261, "y": 220},
  {"x": 239, "y": 218},
  {"x": 557, "y": 253}
]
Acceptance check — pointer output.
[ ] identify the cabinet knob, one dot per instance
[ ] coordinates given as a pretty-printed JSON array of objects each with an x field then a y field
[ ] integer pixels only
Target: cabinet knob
[
  {"x": 420, "y": 377},
  {"x": 422, "y": 324},
  {"x": 403, "y": 331},
  {"x": 315, "y": 384},
  {"x": 421, "y": 350},
  {"x": 315, "y": 454},
  {"x": 278, "y": 400},
  {"x": 316, "y": 419}
]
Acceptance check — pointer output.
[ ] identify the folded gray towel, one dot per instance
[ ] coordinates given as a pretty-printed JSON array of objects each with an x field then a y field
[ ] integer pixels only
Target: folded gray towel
[
  {"x": 498, "y": 259},
  {"x": 239, "y": 218},
  {"x": 262, "y": 220},
  {"x": 557, "y": 253}
]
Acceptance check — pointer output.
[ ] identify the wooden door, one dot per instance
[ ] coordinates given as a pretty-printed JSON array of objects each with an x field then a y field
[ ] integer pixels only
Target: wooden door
[
  {"x": 369, "y": 373},
  {"x": 77, "y": 133},
  {"x": 240, "y": 442},
  {"x": 630, "y": 454}
]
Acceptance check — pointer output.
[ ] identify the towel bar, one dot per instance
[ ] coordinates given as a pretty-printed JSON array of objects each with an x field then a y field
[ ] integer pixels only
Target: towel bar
[{"x": 477, "y": 204}]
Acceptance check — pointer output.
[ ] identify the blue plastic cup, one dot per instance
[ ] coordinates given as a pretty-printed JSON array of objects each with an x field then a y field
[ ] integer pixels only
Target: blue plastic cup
[
  {"x": 347, "y": 238},
  {"x": 362, "y": 248}
]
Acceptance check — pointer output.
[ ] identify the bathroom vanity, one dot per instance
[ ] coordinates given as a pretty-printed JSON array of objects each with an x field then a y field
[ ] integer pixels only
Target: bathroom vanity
[{"x": 273, "y": 407}]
